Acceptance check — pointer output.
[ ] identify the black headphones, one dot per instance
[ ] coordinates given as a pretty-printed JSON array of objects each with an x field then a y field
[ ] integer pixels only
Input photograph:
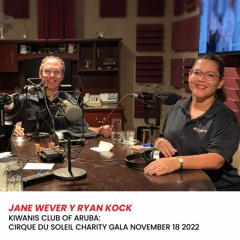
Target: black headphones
[{"x": 141, "y": 159}]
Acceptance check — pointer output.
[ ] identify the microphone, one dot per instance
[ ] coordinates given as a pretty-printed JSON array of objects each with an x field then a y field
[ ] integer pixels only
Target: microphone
[
  {"x": 7, "y": 99},
  {"x": 72, "y": 112},
  {"x": 167, "y": 98}
]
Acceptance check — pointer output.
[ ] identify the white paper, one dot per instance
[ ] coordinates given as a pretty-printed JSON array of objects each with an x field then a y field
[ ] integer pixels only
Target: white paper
[
  {"x": 5, "y": 154},
  {"x": 39, "y": 166},
  {"x": 103, "y": 147}
]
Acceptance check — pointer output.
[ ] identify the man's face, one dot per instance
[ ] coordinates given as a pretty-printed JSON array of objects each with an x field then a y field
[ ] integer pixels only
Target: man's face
[{"x": 51, "y": 74}]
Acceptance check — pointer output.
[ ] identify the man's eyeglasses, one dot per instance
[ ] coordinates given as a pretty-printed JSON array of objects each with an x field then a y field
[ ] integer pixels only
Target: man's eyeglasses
[
  {"x": 210, "y": 76},
  {"x": 55, "y": 72}
]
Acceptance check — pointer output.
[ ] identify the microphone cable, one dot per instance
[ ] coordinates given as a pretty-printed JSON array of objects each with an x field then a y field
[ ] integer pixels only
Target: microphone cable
[
  {"x": 37, "y": 108},
  {"x": 110, "y": 114},
  {"x": 104, "y": 123}
]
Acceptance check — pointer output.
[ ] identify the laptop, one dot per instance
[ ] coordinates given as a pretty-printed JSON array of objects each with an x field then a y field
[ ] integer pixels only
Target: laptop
[
  {"x": 6, "y": 143},
  {"x": 76, "y": 131},
  {"x": 75, "y": 134}
]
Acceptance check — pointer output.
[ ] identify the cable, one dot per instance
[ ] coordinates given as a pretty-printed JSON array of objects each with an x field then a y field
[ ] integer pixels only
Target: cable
[
  {"x": 114, "y": 109},
  {"x": 29, "y": 104},
  {"x": 104, "y": 123}
]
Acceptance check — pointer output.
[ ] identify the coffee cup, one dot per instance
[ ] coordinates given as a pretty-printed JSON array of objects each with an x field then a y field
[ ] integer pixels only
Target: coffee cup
[
  {"x": 71, "y": 47},
  {"x": 146, "y": 136},
  {"x": 24, "y": 49}
]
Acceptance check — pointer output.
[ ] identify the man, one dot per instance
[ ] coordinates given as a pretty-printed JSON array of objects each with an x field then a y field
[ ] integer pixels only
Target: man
[{"x": 38, "y": 107}]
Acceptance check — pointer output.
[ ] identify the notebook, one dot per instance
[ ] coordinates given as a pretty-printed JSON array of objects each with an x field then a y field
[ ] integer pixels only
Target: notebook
[{"x": 6, "y": 143}]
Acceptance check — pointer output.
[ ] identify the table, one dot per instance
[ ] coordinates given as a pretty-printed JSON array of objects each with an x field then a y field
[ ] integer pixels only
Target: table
[{"x": 107, "y": 171}]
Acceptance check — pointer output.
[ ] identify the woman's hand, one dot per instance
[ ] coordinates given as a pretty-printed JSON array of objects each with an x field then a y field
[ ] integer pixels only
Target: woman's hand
[
  {"x": 18, "y": 131},
  {"x": 165, "y": 147},
  {"x": 162, "y": 166}
]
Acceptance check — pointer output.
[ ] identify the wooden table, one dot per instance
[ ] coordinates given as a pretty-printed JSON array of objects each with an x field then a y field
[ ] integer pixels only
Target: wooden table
[{"x": 107, "y": 171}]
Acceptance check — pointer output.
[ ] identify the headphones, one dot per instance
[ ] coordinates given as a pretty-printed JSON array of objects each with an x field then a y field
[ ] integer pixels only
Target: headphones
[{"x": 141, "y": 159}]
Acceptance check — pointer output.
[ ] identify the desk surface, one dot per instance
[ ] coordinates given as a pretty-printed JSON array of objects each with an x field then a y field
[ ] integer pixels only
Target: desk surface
[{"x": 108, "y": 171}]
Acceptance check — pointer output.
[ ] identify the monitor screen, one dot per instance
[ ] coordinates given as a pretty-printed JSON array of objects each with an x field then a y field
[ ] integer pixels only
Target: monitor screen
[
  {"x": 31, "y": 69},
  {"x": 219, "y": 26}
]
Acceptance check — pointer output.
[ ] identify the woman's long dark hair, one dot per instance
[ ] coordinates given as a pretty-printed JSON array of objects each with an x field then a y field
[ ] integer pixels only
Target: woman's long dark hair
[{"x": 221, "y": 95}]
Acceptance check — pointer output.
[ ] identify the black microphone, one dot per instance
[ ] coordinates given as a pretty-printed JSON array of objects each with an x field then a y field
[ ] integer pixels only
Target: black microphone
[
  {"x": 167, "y": 98},
  {"x": 6, "y": 98}
]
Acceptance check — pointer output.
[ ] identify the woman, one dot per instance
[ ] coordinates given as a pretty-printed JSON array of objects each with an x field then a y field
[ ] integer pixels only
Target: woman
[
  {"x": 27, "y": 109},
  {"x": 201, "y": 132}
]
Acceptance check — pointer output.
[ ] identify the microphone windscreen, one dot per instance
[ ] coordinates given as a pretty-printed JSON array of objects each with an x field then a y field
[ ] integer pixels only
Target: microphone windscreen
[
  {"x": 73, "y": 113},
  {"x": 171, "y": 99}
]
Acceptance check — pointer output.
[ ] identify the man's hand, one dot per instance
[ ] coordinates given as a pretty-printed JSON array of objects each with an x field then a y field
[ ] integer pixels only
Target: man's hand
[
  {"x": 106, "y": 130},
  {"x": 18, "y": 131}
]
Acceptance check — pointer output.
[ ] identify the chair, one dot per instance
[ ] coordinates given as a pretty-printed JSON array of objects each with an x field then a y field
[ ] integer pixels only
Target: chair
[{"x": 236, "y": 160}]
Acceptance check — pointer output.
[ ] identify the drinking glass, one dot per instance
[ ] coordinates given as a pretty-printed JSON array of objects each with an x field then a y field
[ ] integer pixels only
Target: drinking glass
[
  {"x": 128, "y": 136},
  {"x": 116, "y": 129},
  {"x": 14, "y": 176}
]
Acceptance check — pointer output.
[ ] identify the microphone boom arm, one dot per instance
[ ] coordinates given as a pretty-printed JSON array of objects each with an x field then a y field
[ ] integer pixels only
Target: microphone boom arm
[{"x": 157, "y": 110}]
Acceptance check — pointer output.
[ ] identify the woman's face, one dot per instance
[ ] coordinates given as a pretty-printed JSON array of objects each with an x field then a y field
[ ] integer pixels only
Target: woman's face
[
  {"x": 51, "y": 74},
  {"x": 204, "y": 79}
]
